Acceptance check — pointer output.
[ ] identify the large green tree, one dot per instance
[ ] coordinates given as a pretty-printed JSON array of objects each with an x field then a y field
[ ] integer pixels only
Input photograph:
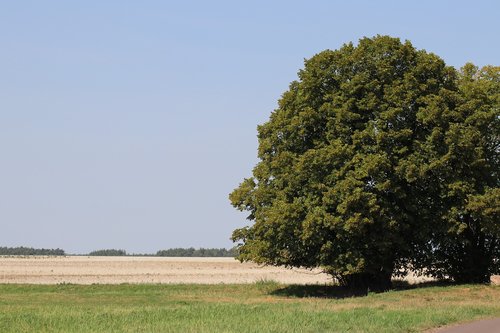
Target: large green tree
[
  {"x": 461, "y": 174},
  {"x": 347, "y": 178}
]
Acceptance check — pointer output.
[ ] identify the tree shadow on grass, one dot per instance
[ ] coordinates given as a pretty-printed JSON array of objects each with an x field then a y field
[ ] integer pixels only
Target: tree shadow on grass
[
  {"x": 317, "y": 291},
  {"x": 404, "y": 285},
  {"x": 339, "y": 292}
]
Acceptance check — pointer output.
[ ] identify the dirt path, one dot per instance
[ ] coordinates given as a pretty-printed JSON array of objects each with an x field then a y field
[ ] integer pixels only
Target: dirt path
[{"x": 481, "y": 326}]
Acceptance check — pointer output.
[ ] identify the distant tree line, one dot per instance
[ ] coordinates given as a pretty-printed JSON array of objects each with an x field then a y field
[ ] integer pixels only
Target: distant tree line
[
  {"x": 175, "y": 252},
  {"x": 201, "y": 252},
  {"x": 108, "y": 253},
  {"x": 29, "y": 251}
]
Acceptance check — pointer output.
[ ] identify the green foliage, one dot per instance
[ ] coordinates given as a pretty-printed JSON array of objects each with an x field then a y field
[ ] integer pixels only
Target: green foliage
[
  {"x": 201, "y": 252},
  {"x": 108, "y": 252},
  {"x": 461, "y": 174},
  {"x": 29, "y": 251},
  {"x": 366, "y": 164}
]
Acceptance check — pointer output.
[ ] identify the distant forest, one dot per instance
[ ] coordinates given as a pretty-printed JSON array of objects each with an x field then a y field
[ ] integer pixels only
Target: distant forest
[
  {"x": 29, "y": 251},
  {"x": 109, "y": 252},
  {"x": 175, "y": 252},
  {"x": 201, "y": 252}
]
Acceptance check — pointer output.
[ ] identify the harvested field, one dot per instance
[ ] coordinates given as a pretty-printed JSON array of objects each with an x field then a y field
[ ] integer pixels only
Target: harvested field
[{"x": 115, "y": 270}]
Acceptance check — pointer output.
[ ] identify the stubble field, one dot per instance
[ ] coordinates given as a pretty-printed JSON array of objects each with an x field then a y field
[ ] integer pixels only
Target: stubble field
[{"x": 117, "y": 270}]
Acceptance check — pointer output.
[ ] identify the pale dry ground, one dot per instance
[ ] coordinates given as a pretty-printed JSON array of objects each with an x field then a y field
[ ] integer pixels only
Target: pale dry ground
[{"x": 116, "y": 270}]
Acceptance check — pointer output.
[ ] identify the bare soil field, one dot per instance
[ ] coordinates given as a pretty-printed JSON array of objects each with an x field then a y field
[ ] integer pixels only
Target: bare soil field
[{"x": 116, "y": 270}]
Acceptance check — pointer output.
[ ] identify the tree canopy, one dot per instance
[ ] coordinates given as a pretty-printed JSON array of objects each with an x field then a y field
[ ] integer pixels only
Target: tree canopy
[
  {"x": 380, "y": 157},
  {"x": 461, "y": 174}
]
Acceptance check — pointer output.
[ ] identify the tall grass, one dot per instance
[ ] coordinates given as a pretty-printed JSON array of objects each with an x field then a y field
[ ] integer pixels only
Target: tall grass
[{"x": 261, "y": 307}]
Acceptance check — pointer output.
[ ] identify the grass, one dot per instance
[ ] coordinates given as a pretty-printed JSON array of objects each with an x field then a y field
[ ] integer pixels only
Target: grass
[{"x": 261, "y": 307}]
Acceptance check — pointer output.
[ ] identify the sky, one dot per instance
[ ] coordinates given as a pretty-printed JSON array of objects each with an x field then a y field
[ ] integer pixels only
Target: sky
[{"x": 126, "y": 124}]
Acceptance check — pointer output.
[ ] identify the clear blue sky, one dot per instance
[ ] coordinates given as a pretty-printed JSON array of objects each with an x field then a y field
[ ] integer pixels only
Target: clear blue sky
[{"x": 125, "y": 124}]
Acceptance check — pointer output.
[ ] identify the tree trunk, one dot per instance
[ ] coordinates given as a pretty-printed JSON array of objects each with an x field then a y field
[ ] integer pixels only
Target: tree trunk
[{"x": 476, "y": 260}]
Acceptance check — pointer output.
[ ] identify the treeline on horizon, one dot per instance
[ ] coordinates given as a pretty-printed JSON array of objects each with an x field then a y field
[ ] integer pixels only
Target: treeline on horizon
[
  {"x": 29, "y": 251},
  {"x": 201, "y": 252},
  {"x": 173, "y": 252}
]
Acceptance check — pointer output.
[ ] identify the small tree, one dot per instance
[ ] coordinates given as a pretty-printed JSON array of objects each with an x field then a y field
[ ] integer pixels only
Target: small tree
[{"x": 342, "y": 181}]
